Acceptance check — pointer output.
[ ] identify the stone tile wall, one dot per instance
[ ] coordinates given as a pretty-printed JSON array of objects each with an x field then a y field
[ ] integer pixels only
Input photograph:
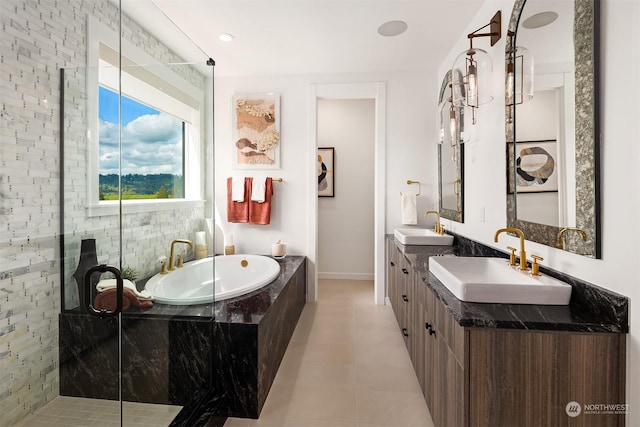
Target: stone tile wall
[{"x": 38, "y": 38}]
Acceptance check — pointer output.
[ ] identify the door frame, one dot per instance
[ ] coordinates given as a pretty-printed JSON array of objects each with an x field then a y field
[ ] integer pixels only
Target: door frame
[{"x": 377, "y": 92}]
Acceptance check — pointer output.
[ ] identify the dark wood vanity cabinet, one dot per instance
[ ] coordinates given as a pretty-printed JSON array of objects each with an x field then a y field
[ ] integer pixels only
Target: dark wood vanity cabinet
[{"x": 502, "y": 377}]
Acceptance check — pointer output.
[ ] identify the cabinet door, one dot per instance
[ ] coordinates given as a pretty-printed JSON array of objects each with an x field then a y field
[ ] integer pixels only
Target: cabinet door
[
  {"x": 448, "y": 386},
  {"x": 393, "y": 275},
  {"x": 429, "y": 349},
  {"x": 448, "y": 374},
  {"x": 404, "y": 284},
  {"x": 420, "y": 335}
]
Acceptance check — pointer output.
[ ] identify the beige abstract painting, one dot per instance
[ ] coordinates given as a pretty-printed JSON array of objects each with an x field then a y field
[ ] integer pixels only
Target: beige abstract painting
[{"x": 256, "y": 128}]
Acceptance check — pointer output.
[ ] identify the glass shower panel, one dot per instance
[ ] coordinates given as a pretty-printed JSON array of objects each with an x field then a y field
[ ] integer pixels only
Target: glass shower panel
[{"x": 135, "y": 197}]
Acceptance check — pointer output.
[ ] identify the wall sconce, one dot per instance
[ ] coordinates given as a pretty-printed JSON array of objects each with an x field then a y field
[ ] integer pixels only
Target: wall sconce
[
  {"x": 519, "y": 73},
  {"x": 472, "y": 69}
]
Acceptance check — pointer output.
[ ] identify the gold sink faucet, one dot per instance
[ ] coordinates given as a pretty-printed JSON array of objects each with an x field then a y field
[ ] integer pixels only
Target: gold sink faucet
[
  {"x": 172, "y": 257},
  {"x": 438, "y": 227},
  {"x": 560, "y": 243},
  {"x": 523, "y": 253}
]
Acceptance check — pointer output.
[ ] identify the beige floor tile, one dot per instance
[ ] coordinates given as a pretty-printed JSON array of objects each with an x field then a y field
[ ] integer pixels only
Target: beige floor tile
[
  {"x": 392, "y": 408},
  {"x": 327, "y": 374},
  {"x": 278, "y": 401},
  {"x": 387, "y": 379},
  {"x": 323, "y": 404},
  {"x": 378, "y": 337},
  {"x": 332, "y": 333},
  {"x": 378, "y": 317},
  {"x": 297, "y": 422},
  {"x": 237, "y": 422},
  {"x": 332, "y": 352},
  {"x": 393, "y": 356}
]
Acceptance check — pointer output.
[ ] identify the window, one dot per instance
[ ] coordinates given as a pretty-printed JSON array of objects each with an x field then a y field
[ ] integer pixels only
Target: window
[
  {"x": 151, "y": 160},
  {"x": 156, "y": 155}
]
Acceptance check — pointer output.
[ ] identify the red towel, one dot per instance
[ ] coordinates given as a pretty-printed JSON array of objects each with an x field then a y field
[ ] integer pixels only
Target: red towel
[
  {"x": 107, "y": 300},
  {"x": 238, "y": 211},
  {"x": 260, "y": 213}
]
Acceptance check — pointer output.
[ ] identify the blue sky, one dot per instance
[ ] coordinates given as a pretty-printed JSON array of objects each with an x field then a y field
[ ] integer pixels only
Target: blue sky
[
  {"x": 108, "y": 107},
  {"x": 151, "y": 140}
]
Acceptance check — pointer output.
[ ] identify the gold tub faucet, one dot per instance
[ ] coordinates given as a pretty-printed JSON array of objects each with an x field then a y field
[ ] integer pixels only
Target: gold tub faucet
[
  {"x": 438, "y": 228},
  {"x": 523, "y": 253},
  {"x": 172, "y": 256}
]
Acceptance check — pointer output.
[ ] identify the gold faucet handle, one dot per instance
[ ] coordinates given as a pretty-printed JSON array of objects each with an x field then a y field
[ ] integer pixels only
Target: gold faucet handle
[
  {"x": 535, "y": 268},
  {"x": 512, "y": 257},
  {"x": 180, "y": 261},
  {"x": 441, "y": 227},
  {"x": 163, "y": 267}
]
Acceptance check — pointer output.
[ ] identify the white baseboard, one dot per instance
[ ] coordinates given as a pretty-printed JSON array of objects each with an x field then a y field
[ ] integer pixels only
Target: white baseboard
[{"x": 345, "y": 276}]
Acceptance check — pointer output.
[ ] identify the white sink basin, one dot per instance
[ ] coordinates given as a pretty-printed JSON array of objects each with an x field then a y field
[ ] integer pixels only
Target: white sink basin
[
  {"x": 493, "y": 280},
  {"x": 422, "y": 236}
]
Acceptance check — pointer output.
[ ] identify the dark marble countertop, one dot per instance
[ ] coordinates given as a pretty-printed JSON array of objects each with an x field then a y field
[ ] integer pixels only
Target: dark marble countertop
[
  {"x": 591, "y": 309},
  {"x": 248, "y": 308}
]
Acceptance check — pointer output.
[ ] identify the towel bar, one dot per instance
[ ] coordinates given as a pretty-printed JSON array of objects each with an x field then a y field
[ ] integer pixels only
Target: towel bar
[
  {"x": 277, "y": 179},
  {"x": 409, "y": 182}
]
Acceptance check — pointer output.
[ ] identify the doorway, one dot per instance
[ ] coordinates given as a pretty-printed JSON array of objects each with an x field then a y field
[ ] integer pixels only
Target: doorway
[
  {"x": 377, "y": 93},
  {"x": 346, "y": 130}
]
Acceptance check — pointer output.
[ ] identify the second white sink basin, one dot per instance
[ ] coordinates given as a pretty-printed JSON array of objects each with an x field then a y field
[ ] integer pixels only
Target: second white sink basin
[
  {"x": 422, "y": 236},
  {"x": 493, "y": 280}
]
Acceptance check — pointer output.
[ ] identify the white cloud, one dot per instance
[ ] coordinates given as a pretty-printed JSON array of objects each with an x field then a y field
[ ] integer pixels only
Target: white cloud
[{"x": 150, "y": 144}]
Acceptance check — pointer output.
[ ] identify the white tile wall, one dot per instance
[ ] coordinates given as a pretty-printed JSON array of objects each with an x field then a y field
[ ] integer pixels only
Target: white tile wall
[{"x": 38, "y": 38}]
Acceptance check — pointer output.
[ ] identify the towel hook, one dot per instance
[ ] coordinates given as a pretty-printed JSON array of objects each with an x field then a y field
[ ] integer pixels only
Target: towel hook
[{"x": 409, "y": 182}]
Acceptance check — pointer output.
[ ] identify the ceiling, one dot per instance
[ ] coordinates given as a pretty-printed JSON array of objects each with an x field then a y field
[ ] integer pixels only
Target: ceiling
[{"x": 276, "y": 37}]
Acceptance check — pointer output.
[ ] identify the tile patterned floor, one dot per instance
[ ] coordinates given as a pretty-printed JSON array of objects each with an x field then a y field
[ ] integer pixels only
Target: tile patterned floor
[
  {"x": 66, "y": 411},
  {"x": 346, "y": 366}
]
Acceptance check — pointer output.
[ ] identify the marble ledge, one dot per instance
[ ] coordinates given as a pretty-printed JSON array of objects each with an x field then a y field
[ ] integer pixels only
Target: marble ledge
[
  {"x": 591, "y": 309},
  {"x": 249, "y": 308}
]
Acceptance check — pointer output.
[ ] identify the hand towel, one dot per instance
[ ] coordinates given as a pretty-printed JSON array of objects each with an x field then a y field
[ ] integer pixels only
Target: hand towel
[
  {"x": 259, "y": 190},
  {"x": 237, "y": 189},
  {"x": 237, "y": 211},
  {"x": 260, "y": 213},
  {"x": 108, "y": 300},
  {"x": 409, "y": 210},
  {"x": 105, "y": 284}
]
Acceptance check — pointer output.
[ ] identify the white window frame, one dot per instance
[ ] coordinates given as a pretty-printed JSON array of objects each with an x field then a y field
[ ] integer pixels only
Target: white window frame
[{"x": 178, "y": 98}]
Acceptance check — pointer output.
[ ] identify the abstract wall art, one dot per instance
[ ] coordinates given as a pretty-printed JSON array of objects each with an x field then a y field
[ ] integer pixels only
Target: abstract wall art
[
  {"x": 326, "y": 172},
  {"x": 256, "y": 131}
]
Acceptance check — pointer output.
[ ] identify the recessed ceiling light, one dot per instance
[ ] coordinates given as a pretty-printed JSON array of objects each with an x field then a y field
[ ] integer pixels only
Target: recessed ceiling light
[
  {"x": 226, "y": 37},
  {"x": 540, "y": 20},
  {"x": 392, "y": 28}
]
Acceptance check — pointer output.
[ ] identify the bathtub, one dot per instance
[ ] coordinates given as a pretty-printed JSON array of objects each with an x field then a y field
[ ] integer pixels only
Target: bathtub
[{"x": 192, "y": 284}]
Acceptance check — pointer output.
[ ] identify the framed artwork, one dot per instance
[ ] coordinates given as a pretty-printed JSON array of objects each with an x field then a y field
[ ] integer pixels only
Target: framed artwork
[
  {"x": 536, "y": 166},
  {"x": 326, "y": 172},
  {"x": 256, "y": 131}
]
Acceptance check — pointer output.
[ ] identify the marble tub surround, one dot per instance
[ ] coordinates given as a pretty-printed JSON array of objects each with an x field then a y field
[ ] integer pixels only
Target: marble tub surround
[
  {"x": 252, "y": 335},
  {"x": 170, "y": 357},
  {"x": 164, "y": 360},
  {"x": 591, "y": 309}
]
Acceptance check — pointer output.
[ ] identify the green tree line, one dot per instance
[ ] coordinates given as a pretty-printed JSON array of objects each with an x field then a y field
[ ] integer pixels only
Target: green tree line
[{"x": 136, "y": 186}]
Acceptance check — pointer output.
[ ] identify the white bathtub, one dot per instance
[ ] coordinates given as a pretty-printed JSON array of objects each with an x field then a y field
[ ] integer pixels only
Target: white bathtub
[{"x": 193, "y": 284}]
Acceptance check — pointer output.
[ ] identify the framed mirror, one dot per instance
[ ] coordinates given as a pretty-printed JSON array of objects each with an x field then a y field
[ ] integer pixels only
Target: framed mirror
[
  {"x": 552, "y": 127},
  {"x": 450, "y": 156}
]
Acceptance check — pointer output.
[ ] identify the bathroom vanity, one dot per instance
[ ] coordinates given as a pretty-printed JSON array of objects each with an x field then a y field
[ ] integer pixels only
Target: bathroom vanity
[{"x": 509, "y": 364}]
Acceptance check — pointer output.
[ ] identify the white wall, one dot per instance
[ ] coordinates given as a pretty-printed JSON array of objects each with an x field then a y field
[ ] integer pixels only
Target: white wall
[
  {"x": 408, "y": 154},
  {"x": 346, "y": 221},
  {"x": 484, "y": 186}
]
